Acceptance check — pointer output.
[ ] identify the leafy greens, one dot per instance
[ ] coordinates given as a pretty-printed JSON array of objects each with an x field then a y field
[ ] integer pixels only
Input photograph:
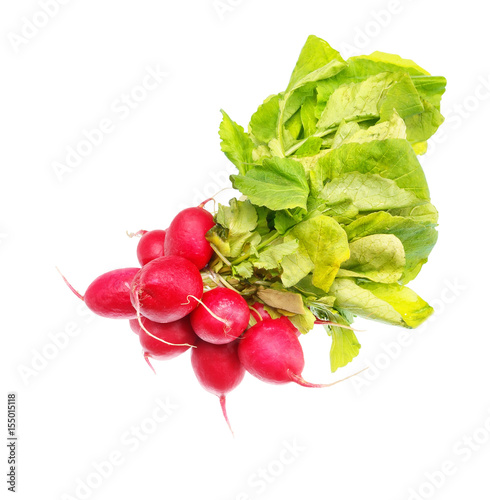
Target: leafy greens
[{"x": 336, "y": 216}]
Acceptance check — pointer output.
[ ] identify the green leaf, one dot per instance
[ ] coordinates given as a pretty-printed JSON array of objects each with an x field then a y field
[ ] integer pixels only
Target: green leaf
[
  {"x": 425, "y": 213},
  {"x": 361, "y": 68},
  {"x": 430, "y": 88},
  {"x": 306, "y": 287},
  {"x": 308, "y": 118},
  {"x": 394, "y": 128},
  {"x": 343, "y": 211},
  {"x": 286, "y": 219},
  {"x": 345, "y": 347},
  {"x": 235, "y": 143},
  {"x": 368, "y": 192},
  {"x": 291, "y": 102},
  {"x": 401, "y": 97},
  {"x": 405, "y": 301},
  {"x": 422, "y": 126},
  {"x": 273, "y": 255},
  {"x": 326, "y": 244},
  {"x": 389, "y": 303},
  {"x": 376, "y": 97},
  {"x": 295, "y": 266},
  {"x": 316, "y": 62},
  {"x": 265, "y": 217},
  {"x": 263, "y": 123},
  {"x": 377, "y": 257},
  {"x": 392, "y": 158},
  {"x": 355, "y": 101},
  {"x": 392, "y": 62},
  {"x": 293, "y": 127},
  {"x": 244, "y": 269},
  {"x": 240, "y": 221},
  {"x": 418, "y": 237},
  {"x": 310, "y": 147},
  {"x": 303, "y": 322},
  {"x": 278, "y": 184}
]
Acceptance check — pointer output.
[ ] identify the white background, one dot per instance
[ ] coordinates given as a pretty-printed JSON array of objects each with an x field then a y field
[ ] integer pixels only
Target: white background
[{"x": 380, "y": 438}]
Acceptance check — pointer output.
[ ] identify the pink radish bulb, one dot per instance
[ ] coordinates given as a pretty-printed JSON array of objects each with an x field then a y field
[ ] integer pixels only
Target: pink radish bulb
[
  {"x": 134, "y": 324},
  {"x": 151, "y": 246},
  {"x": 218, "y": 369},
  {"x": 166, "y": 289},
  {"x": 259, "y": 309},
  {"x": 271, "y": 351},
  {"x": 186, "y": 236},
  {"x": 259, "y": 314},
  {"x": 109, "y": 294},
  {"x": 287, "y": 324},
  {"x": 178, "y": 334},
  {"x": 222, "y": 316}
]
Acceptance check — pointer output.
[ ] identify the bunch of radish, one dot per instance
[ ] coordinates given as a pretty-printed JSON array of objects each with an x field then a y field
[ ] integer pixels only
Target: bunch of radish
[{"x": 172, "y": 310}]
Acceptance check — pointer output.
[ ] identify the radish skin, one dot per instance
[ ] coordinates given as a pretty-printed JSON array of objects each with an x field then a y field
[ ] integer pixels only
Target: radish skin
[
  {"x": 218, "y": 370},
  {"x": 271, "y": 351},
  {"x": 151, "y": 246},
  {"x": 258, "y": 312},
  {"x": 221, "y": 317},
  {"x": 160, "y": 290},
  {"x": 186, "y": 236},
  {"x": 109, "y": 294},
  {"x": 178, "y": 335}
]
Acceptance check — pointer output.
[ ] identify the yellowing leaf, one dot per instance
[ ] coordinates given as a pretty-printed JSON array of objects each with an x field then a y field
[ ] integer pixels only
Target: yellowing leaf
[{"x": 326, "y": 244}]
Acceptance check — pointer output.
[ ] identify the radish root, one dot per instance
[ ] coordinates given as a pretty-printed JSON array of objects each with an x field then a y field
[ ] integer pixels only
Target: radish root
[
  {"x": 257, "y": 312},
  {"x": 147, "y": 359},
  {"x": 222, "y": 400},
  {"x": 141, "y": 232},
  {"x": 215, "y": 316},
  {"x": 79, "y": 295},
  {"x": 138, "y": 314},
  {"x": 301, "y": 381}
]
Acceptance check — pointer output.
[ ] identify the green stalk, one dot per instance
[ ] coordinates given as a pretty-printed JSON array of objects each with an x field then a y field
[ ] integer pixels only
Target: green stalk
[
  {"x": 274, "y": 236},
  {"x": 323, "y": 133}
]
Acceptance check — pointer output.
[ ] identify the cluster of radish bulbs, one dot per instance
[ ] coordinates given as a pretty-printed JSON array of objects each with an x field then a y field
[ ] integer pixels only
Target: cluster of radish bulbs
[{"x": 171, "y": 311}]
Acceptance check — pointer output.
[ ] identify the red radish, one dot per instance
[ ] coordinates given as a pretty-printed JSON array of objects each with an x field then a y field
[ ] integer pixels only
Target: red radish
[
  {"x": 186, "y": 236},
  {"x": 222, "y": 316},
  {"x": 218, "y": 369},
  {"x": 271, "y": 351},
  {"x": 151, "y": 246},
  {"x": 258, "y": 312},
  {"x": 287, "y": 324},
  {"x": 178, "y": 334},
  {"x": 109, "y": 294},
  {"x": 166, "y": 289},
  {"x": 134, "y": 324}
]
